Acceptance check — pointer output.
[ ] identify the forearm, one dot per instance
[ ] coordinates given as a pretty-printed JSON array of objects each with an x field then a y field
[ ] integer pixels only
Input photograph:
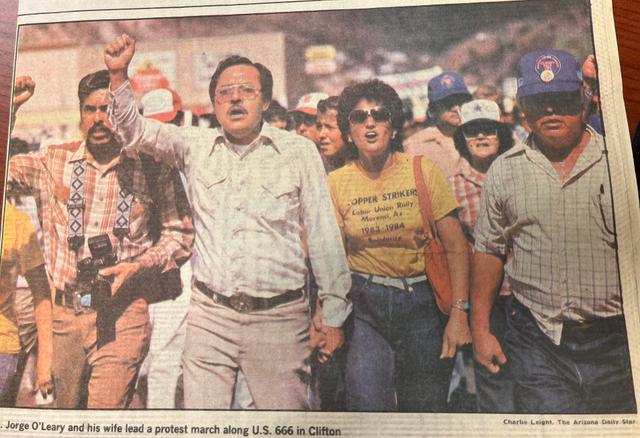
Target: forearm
[
  {"x": 118, "y": 77},
  {"x": 160, "y": 140},
  {"x": 324, "y": 240},
  {"x": 487, "y": 272},
  {"x": 457, "y": 253},
  {"x": 177, "y": 233},
  {"x": 23, "y": 172},
  {"x": 172, "y": 249},
  {"x": 39, "y": 286}
]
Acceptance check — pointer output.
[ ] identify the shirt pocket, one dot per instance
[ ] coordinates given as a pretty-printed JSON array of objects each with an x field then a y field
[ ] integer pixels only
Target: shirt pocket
[
  {"x": 279, "y": 199},
  {"x": 210, "y": 188}
]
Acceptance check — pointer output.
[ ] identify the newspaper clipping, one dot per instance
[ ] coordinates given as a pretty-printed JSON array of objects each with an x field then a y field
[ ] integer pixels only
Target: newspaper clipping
[{"x": 318, "y": 218}]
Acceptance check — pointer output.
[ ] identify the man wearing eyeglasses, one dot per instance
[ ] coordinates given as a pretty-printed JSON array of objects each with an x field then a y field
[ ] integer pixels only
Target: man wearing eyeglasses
[
  {"x": 549, "y": 203},
  {"x": 446, "y": 93},
  {"x": 253, "y": 189}
]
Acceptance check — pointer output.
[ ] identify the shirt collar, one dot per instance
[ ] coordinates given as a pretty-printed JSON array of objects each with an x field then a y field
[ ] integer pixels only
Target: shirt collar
[
  {"x": 265, "y": 138},
  {"x": 82, "y": 153},
  {"x": 465, "y": 170},
  {"x": 592, "y": 152}
]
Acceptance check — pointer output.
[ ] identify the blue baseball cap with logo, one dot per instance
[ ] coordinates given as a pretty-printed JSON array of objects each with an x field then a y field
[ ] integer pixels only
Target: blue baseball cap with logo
[
  {"x": 548, "y": 71},
  {"x": 446, "y": 84}
]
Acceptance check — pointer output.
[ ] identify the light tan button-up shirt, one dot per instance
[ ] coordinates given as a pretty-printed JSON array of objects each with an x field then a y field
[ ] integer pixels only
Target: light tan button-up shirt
[
  {"x": 433, "y": 144},
  {"x": 250, "y": 206},
  {"x": 562, "y": 234}
]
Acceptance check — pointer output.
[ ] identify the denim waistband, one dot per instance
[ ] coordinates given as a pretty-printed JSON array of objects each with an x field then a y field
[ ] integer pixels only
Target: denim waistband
[{"x": 404, "y": 283}]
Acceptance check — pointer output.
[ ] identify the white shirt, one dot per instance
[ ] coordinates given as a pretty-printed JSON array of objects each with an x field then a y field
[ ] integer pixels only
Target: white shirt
[{"x": 250, "y": 207}]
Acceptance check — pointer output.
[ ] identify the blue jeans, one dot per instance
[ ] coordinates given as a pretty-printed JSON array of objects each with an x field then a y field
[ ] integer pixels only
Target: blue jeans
[
  {"x": 8, "y": 363},
  {"x": 495, "y": 391},
  {"x": 589, "y": 372},
  {"x": 393, "y": 360}
]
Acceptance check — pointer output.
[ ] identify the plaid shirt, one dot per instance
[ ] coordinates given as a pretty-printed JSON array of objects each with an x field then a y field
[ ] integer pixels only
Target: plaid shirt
[
  {"x": 466, "y": 184},
  {"x": 47, "y": 175},
  {"x": 561, "y": 233}
]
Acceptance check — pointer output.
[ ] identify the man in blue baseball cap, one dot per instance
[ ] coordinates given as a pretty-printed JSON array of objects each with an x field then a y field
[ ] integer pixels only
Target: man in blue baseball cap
[
  {"x": 446, "y": 92},
  {"x": 548, "y": 202}
]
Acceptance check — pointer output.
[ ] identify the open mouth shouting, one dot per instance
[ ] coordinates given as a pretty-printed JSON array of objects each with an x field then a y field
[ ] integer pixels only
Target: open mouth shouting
[
  {"x": 236, "y": 113},
  {"x": 371, "y": 136}
]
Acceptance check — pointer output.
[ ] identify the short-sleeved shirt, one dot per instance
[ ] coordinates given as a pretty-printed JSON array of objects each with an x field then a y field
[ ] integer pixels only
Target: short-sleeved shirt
[
  {"x": 20, "y": 253},
  {"x": 380, "y": 218},
  {"x": 561, "y": 234}
]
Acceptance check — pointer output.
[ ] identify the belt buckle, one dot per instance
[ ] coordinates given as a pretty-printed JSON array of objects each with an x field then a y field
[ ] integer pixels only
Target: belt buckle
[
  {"x": 81, "y": 302},
  {"x": 240, "y": 302}
]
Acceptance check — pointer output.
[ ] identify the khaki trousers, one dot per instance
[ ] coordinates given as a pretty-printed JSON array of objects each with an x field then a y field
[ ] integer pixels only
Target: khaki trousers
[
  {"x": 271, "y": 348},
  {"x": 111, "y": 370}
]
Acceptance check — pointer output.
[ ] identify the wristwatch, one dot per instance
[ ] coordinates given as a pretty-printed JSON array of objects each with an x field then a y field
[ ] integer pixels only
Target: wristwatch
[{"x": 460, "y": 305}]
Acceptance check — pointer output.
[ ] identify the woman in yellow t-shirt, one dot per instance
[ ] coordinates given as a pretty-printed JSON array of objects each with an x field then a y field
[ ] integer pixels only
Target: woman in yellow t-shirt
[
  {"x": 401, "y": 349},
  {"x": 21, "y": 256}
]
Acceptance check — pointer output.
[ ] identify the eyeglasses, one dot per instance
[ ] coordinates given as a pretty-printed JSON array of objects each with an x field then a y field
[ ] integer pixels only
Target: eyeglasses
[
  {"x": 245, "y": 91},
  {"x": 560, "y": 104},
  {"x": 473, "y": 130},
  {"x": 378, "y": 115}
]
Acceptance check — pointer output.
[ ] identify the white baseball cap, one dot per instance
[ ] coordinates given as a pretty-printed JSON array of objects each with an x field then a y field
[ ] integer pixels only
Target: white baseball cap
[
  {"x": 479, "y": 109},
  {"x": 308, "y": 103},
  {"x": 161, "y": 104}
]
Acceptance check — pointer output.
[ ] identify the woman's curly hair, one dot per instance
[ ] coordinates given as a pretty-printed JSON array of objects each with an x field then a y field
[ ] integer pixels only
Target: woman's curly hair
[{"x": 376, "y": 91}]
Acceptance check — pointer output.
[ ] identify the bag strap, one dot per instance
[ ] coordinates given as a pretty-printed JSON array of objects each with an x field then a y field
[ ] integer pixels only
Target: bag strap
[{"x": 423, "y": 198}]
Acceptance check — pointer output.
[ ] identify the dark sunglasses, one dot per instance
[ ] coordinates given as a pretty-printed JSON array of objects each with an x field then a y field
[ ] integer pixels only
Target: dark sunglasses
[
  {"x": 378, "y": 115},
  {"x": 475, "y": 129},
  {"x": 560, "y": 104}
]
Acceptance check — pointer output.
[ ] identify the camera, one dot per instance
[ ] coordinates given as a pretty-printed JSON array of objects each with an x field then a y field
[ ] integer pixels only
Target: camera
[{"x": 93, "y": 290}]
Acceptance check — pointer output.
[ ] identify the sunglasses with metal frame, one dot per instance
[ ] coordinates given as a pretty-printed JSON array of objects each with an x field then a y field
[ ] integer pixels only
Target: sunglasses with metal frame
[
  {"x": 379, "y": 115},
  {"x": 245, "y": 91}
]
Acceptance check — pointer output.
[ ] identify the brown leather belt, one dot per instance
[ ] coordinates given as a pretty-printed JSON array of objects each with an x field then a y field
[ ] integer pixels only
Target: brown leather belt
[{"x": 243, "y": 303}]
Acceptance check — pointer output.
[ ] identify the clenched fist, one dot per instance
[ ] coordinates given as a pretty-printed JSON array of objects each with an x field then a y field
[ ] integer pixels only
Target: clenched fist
[
  {"x": 23, "y": 89},
  {"x": 117, "y": 57}
]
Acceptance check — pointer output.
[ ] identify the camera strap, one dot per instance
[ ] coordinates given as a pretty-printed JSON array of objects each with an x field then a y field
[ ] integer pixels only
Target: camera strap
[{"x": 76, "y": 207}]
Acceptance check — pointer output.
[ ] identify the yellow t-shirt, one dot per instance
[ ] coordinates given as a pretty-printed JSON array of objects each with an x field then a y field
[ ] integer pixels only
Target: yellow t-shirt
[
  {"x": 20, "y": 253},
  {"x": 380, "y": 218}
]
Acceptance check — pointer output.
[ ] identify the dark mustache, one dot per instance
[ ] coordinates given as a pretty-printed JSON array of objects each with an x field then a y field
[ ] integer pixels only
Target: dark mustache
[{"x": 98, "y": 125}]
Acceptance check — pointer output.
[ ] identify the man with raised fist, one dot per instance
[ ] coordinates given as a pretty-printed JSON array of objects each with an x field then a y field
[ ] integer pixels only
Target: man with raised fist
[
  {"x": 253, "y": 189},
  {"x": 98, "y": 208}
]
